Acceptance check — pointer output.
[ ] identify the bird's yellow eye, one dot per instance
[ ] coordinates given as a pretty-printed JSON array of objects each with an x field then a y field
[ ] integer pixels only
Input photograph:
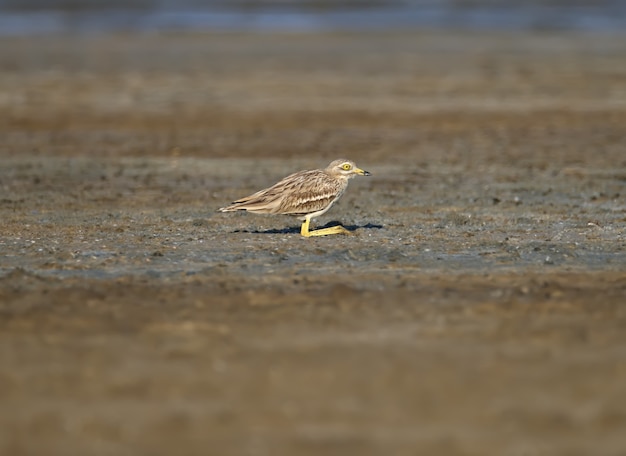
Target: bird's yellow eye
[{"x": 346, "y": 166}]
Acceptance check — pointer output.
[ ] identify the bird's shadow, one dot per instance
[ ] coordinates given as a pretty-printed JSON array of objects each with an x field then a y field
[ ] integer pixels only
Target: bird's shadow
[{"x": 296, "y": 229}]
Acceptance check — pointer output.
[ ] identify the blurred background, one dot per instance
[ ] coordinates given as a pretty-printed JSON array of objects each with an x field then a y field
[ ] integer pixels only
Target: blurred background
[{"x": 18, "y": 17}]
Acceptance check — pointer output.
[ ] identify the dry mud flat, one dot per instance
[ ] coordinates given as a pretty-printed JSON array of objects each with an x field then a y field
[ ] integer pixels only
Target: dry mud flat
[{"x": 478, "y": 307}]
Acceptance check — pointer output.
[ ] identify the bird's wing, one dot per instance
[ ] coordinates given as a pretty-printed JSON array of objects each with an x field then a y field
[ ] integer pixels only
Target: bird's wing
[{"x": 299, "y": 193}]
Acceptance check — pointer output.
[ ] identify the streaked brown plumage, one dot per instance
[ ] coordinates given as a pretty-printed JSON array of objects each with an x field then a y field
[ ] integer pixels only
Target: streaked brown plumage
[{"x": 307, "y": 194}]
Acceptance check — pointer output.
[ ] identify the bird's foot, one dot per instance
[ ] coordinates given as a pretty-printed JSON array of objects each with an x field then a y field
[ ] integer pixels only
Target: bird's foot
[{"x": 326, "y": 231}]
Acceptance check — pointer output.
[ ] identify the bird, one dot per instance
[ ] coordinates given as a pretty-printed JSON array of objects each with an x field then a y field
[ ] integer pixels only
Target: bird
[{"x": 306, "y": 194}]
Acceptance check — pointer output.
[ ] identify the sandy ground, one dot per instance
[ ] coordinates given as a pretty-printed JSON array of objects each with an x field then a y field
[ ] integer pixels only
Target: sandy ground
[{"x": 478, "y": 308}]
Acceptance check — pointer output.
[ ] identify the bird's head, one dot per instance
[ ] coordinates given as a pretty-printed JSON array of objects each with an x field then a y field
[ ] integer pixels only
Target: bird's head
[{"x": 345, "y": 168}]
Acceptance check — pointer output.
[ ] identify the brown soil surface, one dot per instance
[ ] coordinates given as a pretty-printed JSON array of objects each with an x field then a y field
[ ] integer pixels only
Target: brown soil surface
[{"x": 478, "y": 308}]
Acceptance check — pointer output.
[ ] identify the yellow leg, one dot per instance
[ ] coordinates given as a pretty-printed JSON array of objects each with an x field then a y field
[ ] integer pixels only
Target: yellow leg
[{"x": 304, "y": 230}]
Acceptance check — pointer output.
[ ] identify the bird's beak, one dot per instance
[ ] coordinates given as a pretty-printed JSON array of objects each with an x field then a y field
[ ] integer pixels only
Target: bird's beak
[{"x": 361, "y": 172}]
